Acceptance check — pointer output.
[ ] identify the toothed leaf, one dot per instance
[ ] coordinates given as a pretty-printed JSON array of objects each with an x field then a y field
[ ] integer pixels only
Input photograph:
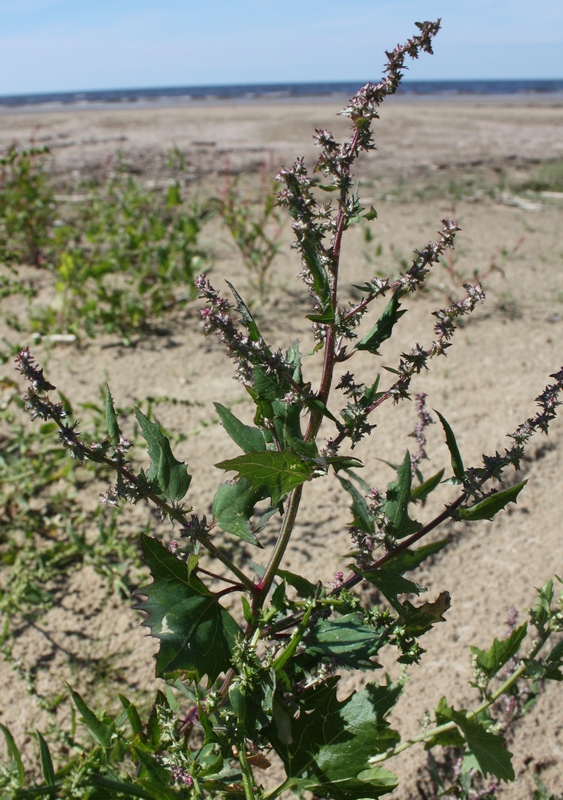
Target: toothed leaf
[
  {"x": 248, "y": 438},
  {"x": 168, "y": 476},
  {"x": 396, "y": 506},
  {"x": 276, "y": 473},
  {"x": 487, "y": 508},
  {"x": 455, "y": 455},
  {"x": 328, "y": 746},
  {"x": 196, "y": 634},
  {"x": 383, "y": 328},
  {"x": 233, "y": 506},
  {"x": 493, "y": 659}
]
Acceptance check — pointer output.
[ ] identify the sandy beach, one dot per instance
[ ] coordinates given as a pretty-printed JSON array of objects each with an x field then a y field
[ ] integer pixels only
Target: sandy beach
[{"x": 463, "y": 158}]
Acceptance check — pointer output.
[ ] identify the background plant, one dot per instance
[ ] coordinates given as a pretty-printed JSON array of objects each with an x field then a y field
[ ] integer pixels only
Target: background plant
[
  {"x": 122, "y": 257},
  {"x": 255, "y": 225},
  {"x": 27, "y": 206},
  {"x": 263, "y": 676}
]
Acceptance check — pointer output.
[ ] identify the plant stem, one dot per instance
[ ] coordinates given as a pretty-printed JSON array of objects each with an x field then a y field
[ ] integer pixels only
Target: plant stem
[
  {"x": 279, "y": 548},
  {"x": 247, "y": 776}
]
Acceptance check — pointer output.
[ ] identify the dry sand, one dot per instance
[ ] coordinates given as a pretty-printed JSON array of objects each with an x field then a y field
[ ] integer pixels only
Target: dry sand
[{"x": 434, "y": 159}]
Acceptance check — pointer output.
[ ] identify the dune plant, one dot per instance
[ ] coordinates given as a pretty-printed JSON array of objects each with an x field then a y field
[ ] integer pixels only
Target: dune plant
[
  {"x": 255, "y": 225},
  {"x": 27, "y": 205},
  {"x": 131, "y": 255},
  {"x": 253, "y": 655}
]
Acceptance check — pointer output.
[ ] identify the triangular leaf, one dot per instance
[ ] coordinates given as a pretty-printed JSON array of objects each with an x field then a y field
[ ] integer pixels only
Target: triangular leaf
[
  {"x": 500, "y": 652},
  {"x": 196, "y": 634},
  {"x": 491, "y": 505},
  {"x": 276, "y": 473},
  {"x": 329, "y": 745},
  {"x": 489, "y": 751},
  {"x": 419, "y": 619},
  {"x": 248, "y": 438},
  {"x": 444, "y": 714},
  {"x": 233, "y": 506},
  {"x": 169, "y": 477},
  {"x": 383, "y": 328}
]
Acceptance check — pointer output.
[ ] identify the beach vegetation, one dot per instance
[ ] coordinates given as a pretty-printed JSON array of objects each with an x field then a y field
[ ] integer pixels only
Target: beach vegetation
[
  {"x": 27, "y": 206},
  {"x": 255, "y": 225},
  {"x": 122, "y": 257},
  {"x": 252, "y": 656}
]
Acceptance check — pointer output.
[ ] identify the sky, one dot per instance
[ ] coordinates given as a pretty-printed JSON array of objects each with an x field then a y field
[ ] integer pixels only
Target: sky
[{"x": 73, "y": 45}]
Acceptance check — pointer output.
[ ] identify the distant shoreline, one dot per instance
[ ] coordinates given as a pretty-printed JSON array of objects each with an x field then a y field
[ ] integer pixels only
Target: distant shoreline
[
  {"x": 536, "y": 92},
  {"x": 553, "y": 100}
]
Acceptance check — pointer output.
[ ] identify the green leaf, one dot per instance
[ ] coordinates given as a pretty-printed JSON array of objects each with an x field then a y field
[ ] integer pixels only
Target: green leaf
[
  {"x": 101, "y": 731},
  {"x": 444, "y": 714},
  {"x": 303, "y": 587},
  {"x": 46, "y": 760},
  {"x": 169, "y": 477},
  {"x": 371, "y": 214},
  {"x": 362, "y": 518},
  {"x": 326, "y": 318},
  {"x": 132, "y": 714},
  {"x": 233, "y": 505},
  {"x": 314, "y": 404},
  {"x": 247, "y": 319},
  {"x": 410, "y": 559},
  {"x": 541, "y": 613},
  {"x": 344, "y": 640},
  {"x": 455, "y": 455},
  {"x": 500, "y": 652},
  {"x": 420, "y": 493},
  {"x": 396, "y": 506},
  {"x": 14, "y": 754},
  {"x": 489, "y": 752},
  {"x": 391, "y": 585},
  {"x": 287, "y": 423},
  {"x": 419, "y": 619},
  {"x": 111, "y": 418},
  {"x": 277, "y": 473},
  {"x": 383, "y": 328},
  {"x": 313, "y": 260},
  {"x": 127, "y": 789},
  {"x": 153, "y": 769},
  {"x": 196, "y": 634},
  {"x": 491, "y": 505},
  {"x": 327, "y": 748},
  {"x": 556, "y": 655},
  {"x": 247, "y": 437}
]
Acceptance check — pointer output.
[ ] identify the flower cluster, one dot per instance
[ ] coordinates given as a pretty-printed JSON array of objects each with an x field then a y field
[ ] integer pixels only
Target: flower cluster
[
  {"x": 424, "y": 420},
  {"x": 493, "y": 466}
]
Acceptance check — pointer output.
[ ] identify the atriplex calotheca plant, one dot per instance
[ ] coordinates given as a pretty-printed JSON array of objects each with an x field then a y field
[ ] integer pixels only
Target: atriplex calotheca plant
[{"x": 263, "y": 677}]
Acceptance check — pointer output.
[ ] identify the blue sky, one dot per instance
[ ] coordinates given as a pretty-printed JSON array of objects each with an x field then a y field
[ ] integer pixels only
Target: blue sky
[{"x": 66, "y": 45}]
